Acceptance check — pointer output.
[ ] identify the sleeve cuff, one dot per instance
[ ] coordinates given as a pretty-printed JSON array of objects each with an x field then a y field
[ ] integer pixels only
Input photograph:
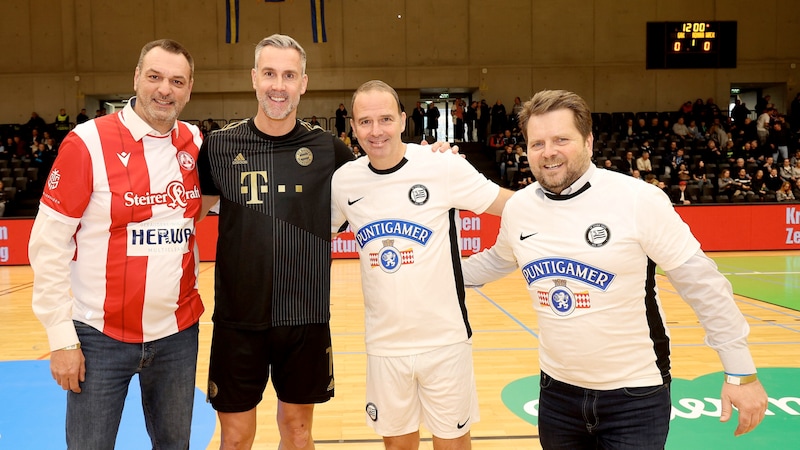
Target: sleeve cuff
[
  {"x": 737, "y": 361},
  {"x": 62, "y": 335}
]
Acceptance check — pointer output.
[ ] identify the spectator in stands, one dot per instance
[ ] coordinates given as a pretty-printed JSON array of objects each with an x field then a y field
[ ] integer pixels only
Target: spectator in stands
[
  {"x": 713, "y": 154},
  {"x": 676, "y": 158},
  {"x": 785, "y": 194},
  {"x": 769, "y": 164},
  {"x": 3, "y": 199},
  {"x": 433, "y": 115},
  {"x": 458, "y": 111},
  {"x": 795, "y": 157},
  {"x": 699, "y": 111},
  {"x": 346, "y": 139},
  {"x": 471, "y": 118},
  {"x": 700, "y": 175},
  {"x": 628, "y": 164},
  {"x": 717, "y": 133},
  {"x": 484, "y": 115},
  {"x": 515, "y": 110},
  {"x": 712, "y": 110},
  {"x": 694, "y": 131},
  {"x": 762, "y": 126},
  {"x": 628, "y": 131},
  {"x": 725, "y": 184},
  {"x": 357, "y": 152},
  {"x": 794, "y": 112},
  {"x": 739, "y": 113},
  {"x": 644, "y": 165},
  {"x": 61, "y": 124},
  {"x": 796, "y": 189},
  {"x": 213, "y": 125},
  {"x": 340, "y": 121},
  {"x": 788, "y": 172},
  {"x": 664, "y": 188},
  {"x": 679, "y": 129},
  {"x": 499, "y": 117},
  {"x": 21, "y": 150},
  {"x": 742, "y": 183},
  {"x": 314, "y": 122},
  {"x": 636, "y": 174},
  {"x": 35, "y": 122},
  {"x": 5, "y": 154},
  {"x": 682, "y": 173},
  {"x": 418, "y": 119},
  {"x": 778, "y": 141},
  {"x": 664, "y": 130},
  {"x": 646, "y": 146},
  {"x": 608, "y": 165},
  {"x": 508, "y": 165},
  {"x": 758, "y": 184},
  {"x": 762, "y": 104},
  {"x": 773, "y": 181},
  {"x": 81, "y": 117},
  {"x": 681, "y": 196},
  {"x": 686, "y": 109}
]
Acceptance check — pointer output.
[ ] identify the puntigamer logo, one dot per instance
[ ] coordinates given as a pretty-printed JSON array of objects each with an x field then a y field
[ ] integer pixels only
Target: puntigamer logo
[{"x": 696, "y": 409}]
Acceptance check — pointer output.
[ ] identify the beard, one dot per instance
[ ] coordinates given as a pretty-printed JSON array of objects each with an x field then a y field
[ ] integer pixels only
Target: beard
[
  {"x": 278, "y": 111},
  {"x": 558, "y": 182}
]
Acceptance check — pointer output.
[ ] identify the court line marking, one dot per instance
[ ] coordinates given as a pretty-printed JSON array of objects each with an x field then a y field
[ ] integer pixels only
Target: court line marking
[{"x": 508, "y": 314}]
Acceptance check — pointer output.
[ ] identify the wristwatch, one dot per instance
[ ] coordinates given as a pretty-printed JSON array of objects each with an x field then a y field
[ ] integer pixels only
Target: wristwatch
[{"x": 740, "y": 379}]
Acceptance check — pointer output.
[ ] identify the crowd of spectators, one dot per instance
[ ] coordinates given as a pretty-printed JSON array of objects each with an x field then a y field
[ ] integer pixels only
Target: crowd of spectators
[{"x": 700, "y": 155}]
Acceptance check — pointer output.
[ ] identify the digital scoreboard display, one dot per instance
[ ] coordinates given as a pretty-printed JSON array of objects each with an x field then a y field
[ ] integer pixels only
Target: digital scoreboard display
[{"x": 691, "y": 45}]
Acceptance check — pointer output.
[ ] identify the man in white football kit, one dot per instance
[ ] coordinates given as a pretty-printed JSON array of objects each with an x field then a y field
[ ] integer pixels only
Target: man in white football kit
[
  {"x": 587, "y": 241},
  {"x": 114, "y": 256},
  {"x": 401, "y": 202}
]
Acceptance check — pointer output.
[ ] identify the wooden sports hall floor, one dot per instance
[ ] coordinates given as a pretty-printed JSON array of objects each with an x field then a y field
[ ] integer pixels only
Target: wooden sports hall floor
[{"x": 505, "y": 349}]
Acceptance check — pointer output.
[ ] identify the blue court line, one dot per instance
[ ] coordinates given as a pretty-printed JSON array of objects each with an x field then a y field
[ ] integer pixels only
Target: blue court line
[{"x": 508, "y": 314}]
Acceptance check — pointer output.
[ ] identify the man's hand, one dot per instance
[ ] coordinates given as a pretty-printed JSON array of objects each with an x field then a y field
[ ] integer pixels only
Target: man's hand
[
  {"x": 751, "y": 401},
  {"x": 440, "y": 146},
  {"x": 68, "y": 368}
]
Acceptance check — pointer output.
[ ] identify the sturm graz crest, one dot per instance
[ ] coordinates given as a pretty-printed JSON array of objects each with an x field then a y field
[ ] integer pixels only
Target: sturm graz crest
[
  {"x": 418, "y": 194},
  {"x": 562, "y": 300}
]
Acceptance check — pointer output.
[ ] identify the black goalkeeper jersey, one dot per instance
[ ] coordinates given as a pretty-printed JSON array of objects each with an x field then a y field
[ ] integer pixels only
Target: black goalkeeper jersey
[{"x": 273, "y": 250}]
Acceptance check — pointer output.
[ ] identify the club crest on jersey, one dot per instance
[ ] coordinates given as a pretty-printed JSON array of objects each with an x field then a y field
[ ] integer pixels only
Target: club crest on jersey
[
  {"x": 597, "y": 235},
  {"x": 53, "y": 179},
  {"x": 389, "y": 258},
  {"x": 303, "y": 156},
  {"x": 561, "y": 300},
  {"x": 186, "y": 160},
  {"x": 372, "y": 411},
  {"x": 418, "y": 194}
]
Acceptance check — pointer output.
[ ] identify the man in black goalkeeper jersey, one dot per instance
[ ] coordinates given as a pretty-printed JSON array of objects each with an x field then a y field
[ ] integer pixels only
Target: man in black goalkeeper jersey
[{"x": 272, "y": 176}]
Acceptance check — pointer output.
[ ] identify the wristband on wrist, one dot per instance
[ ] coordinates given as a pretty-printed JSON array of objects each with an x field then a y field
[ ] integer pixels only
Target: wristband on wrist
[
  {"x": 72, "y": 347},
  {"x": 740, "y": 379}
]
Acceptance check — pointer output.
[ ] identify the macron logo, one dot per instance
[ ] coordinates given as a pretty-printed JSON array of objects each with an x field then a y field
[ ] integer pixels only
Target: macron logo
[{"x": 123, "y": 158}]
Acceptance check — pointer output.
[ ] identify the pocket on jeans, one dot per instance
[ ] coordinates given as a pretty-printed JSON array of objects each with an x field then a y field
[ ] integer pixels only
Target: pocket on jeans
[
  {"x": 646, "y": 391},
  {"x": 545, "y": 381}
]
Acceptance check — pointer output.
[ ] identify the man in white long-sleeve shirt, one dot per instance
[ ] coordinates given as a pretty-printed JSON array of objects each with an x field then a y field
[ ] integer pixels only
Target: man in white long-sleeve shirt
[
  {"x": 115, "y": 264},
  {"x": 588, "y": 242}
]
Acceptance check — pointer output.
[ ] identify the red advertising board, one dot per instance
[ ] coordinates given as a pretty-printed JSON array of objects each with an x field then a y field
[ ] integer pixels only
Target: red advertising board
[{"x": 717, "y": 227}]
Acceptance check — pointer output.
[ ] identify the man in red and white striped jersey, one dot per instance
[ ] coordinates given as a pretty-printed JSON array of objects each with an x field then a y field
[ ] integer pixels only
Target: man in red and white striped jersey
[{"x": 113, "y": 250}]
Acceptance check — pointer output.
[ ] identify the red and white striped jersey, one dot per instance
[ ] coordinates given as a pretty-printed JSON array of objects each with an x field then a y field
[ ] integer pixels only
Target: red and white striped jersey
[{"x": 131, "y": 197}]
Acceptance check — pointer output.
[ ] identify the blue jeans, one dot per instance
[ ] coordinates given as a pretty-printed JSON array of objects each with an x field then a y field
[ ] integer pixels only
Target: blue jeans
[
  {"x": 166, "y": 370},
  {"x": 572, "y": 417}
]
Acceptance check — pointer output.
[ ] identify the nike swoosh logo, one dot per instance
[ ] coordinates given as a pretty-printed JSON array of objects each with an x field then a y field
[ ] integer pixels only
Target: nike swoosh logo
[
  {"x": 523, "y": 237},
  {"x": 461, "y": 425},
  {"x": 354, "y": 201}
]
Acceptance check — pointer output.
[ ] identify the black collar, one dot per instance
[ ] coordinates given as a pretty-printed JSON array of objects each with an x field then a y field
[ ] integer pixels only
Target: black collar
[{"x": 568, "y": 196}]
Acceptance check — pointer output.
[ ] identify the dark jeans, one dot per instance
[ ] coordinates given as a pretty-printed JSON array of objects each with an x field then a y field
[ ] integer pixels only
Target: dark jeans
[
  {"x": 572, "y": 417},
  {"x": 166, "y": 370}
]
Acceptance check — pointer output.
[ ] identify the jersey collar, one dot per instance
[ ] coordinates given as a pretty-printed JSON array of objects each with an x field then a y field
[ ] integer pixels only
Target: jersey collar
[
  {"x": 137, "y": 126},
  {"x": 578, "y": 187}
]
